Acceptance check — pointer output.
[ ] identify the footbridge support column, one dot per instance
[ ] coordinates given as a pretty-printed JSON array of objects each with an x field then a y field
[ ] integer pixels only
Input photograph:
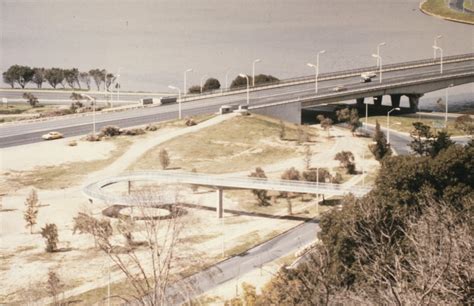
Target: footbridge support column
[
  {"x": 395, "y": 100},
  {"x": 414, "y": 100},
  {"x": 378, "y": 100},
  {"x": 220, "y": 205}
]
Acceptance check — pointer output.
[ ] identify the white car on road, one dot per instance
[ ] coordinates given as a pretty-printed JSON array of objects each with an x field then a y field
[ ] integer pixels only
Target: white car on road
[{"x": 52, "y": 135}]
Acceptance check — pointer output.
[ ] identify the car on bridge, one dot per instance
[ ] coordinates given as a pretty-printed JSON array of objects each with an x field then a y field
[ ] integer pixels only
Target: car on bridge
[
  {"x": 52, "y": 136},
  {"x": 339, "y": 88},
  {"x": 367, "y": 76}
]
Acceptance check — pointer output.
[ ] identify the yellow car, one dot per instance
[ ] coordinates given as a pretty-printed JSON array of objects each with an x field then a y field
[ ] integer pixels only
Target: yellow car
[{"x": 52, "y": 135}]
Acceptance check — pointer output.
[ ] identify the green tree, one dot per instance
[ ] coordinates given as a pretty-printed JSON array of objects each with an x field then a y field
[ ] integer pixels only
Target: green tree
[
  {"x": 85, "y": 78},
  {"x": 346, "y": 160},
  {"x": 109, "y": 79},
  {"x": 240, "y": 82},
  {"x": 98, "y": 76},
  {"x": 19, "y": 74},
  {"x": 425, "y": 143},
  {"x": 50, "y": 234},
  {"x": 380, "y": 148},
  {"x": 211, "y": 84},
  {"x": 54, "y": 76},
  {"x": 261, "y": 195},
  {"x": 71, "y": 76},
  {"x": 39, "y": 77},
  {"x": 8, "y": 79},
  {"x": 326, "y": 123}
]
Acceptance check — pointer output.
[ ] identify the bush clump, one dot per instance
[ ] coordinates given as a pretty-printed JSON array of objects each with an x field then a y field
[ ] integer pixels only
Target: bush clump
[
  {"x": 195, "y": 89},
  {"x": 190, "y": 122},
  {"x": 151, "y": 127},
  {"x": 93, "y": 137},
  {"x": 110, "y": 130},
  {"x": 133, "y": 132}
]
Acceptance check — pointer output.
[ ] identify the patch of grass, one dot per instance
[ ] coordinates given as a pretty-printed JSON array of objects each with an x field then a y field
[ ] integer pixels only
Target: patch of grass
[
  {"x": 238, "y": 144},
  {"x": 66, "y": 175},
  {"x": 441, "y": 8},
  {"x": 198, "y": 238},
  {"x": 244, "y": 243},
  {"x": 469, "y": 4},
  {"x": 14, "y": 109},
  {"x": 405, "y": 124}
]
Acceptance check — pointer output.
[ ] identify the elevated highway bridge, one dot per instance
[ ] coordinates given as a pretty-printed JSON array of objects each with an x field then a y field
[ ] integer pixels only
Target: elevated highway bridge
[{"x": 283, "y": 99}]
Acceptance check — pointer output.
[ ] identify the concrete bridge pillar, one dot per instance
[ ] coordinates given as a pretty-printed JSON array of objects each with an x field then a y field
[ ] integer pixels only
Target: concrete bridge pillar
[
  {"x": 395, "y": 100},
  {"x": 378, "y": 100},
  {"x": 414, "y": 99},
  {"x": 360, "y": 102},
  {"x": 220, "y": 210}
]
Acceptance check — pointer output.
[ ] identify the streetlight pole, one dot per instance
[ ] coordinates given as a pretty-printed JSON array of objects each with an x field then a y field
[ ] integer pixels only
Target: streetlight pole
[
  {"x": 315, "y": 76},
  {"x": 226, "y": 78},
  {"x": 378, "y": 52},
  {"x": 446, "y": 114},
  {"x": 441, "y": 57},
  {"x": 118, "y": 85},
  {"x": 179, "y": 99},
  {"x": 93, "y": 111},
  {"x": 184, "y": 87},
  {"x": 202, "y": 79},
  {"x": 248, "y": 86},
  {"x": 317, "y": 65},
  {"x": 379, "y": 60},
  {"x": 388, "y": 123},
  {"x": 436, "y": 44},
  {"x": 253, "y": 70}
]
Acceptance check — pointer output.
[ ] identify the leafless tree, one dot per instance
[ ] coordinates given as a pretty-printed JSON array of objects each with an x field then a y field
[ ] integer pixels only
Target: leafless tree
[
  {"x": 54, "y": 286},
  {"x": 433, "y": 266},
  {"x": 148, "y": 259},
  {"x": 308, "y": 154}
]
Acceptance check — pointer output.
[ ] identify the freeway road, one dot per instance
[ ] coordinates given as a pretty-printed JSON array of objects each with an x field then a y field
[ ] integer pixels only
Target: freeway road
[{"x": 17, "y": 134}]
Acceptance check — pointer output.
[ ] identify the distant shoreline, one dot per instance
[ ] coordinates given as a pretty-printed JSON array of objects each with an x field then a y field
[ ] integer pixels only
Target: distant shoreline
[{"x": 432, "y": 12}]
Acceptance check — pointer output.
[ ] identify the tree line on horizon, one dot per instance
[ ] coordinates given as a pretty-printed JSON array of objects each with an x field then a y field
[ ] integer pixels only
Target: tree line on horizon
[{"x": 23, "y": 75}]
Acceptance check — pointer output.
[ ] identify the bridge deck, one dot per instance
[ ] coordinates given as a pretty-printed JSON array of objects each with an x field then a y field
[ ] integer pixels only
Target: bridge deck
[{"x": 96, "y": 190}]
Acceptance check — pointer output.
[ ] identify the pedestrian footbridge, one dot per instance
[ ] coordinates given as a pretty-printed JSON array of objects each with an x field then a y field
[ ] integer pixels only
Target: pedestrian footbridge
[{"x": 98, "y": 191}]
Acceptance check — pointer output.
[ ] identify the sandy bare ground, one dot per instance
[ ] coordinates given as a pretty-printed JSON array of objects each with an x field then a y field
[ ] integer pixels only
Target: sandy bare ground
[{"x": 24, "y": 263}]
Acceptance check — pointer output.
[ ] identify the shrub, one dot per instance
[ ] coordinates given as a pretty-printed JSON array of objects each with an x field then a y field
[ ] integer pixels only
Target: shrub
[
  {"x": 211, "y": 84},
  {"x": 50, "y": 233},
  {"x": 264, "y": 78},
  {"x": 190, "y": 122},
  {"x": 151, "y": 127},
  {"x": 240, "y": 82},
  {"x": 164, "y": 159},
  {"x": 72, "y": 143},
  {"x": 134, "y": 132},
  {"x": 110, "y": 130},
  {"x": 195, "y": 89},
  {"x": 31, "y": 99},
  {"x": 93, "y": 137}
]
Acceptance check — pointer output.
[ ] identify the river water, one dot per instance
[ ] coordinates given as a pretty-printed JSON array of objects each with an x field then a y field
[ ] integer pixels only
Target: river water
[{"x": 153, "y": 42}]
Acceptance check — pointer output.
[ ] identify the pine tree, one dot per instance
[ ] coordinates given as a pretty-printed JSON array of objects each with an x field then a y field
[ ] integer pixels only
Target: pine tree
[
  {"x": 31, "y": 212},
  {"x": 381, "y": 148}
]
